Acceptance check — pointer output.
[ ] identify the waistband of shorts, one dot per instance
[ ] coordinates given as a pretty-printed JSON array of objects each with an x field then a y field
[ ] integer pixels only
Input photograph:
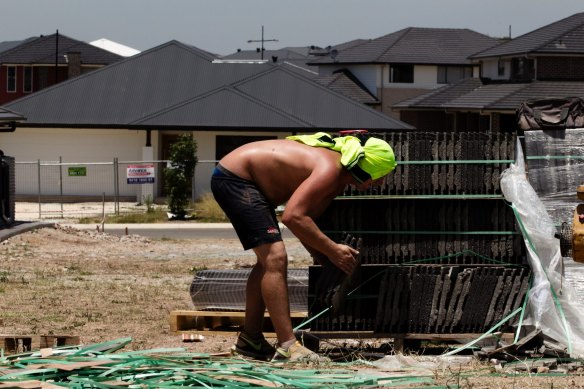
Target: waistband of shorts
[{"x": 221, "y": 171}]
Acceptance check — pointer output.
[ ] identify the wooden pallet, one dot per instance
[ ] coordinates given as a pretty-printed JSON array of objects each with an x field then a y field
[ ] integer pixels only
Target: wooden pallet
[
  {"x": 14, "y": 344},
  {"x": 225, "y": 323}
]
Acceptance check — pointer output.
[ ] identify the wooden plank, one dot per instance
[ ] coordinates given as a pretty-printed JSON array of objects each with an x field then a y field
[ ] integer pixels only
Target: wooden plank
[
  {"x": 182, "y": 321},
  {"x": 14, "y": 344}
]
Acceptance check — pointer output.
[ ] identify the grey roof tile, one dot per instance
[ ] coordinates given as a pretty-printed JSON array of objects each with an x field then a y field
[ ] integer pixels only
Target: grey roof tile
[
  {"x": 140, "y": 91},
  {"x": 565, "y": 36},
  {"x": 343, "y": 83},
  {"x": 8, "y": 115},
  {"x": 42, "y": 50},
  {"x": 416, "y": 46},
  {"x": 473, "y": 94}
]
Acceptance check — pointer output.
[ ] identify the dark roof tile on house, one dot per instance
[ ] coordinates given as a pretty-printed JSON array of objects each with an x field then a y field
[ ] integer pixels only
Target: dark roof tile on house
[
  {"x": 8, "y": 115},
  {"x": 44, "y": 50},
  {"x": 346, "y": 84},
  {"x": 472, "y": 94},
  {"x": 413, "y": 45},
  {"x": 7, "y": 45},
  {"x": 565, "y": 36},
  {"x": 178, "y": 85}
]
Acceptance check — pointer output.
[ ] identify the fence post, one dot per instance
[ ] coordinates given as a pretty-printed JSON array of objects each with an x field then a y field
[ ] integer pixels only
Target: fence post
[
  {"x": 61, "y": 183},
  {"x": 39, "y": 186},
  {"x": 116, "y": 187}
]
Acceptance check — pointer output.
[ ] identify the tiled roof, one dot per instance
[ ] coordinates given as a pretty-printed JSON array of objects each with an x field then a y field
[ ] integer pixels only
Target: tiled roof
[
  {"x": 565, "y": 36},
  {"x": 7, "y": 45},
  {"x": 42, "y": 50},
  {"x": 346, "y": 84},
  {"x": 474, "y": 95},
  {"x": 177, "y": 85},
  {"x": 8, "y": 115},
  {"x": 416, "y": 46}
]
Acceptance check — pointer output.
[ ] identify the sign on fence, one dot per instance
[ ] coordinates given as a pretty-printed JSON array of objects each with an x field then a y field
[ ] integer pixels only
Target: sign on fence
[
  {"x": 140, "y": 174},
  {"x": 77, "y": 171}
]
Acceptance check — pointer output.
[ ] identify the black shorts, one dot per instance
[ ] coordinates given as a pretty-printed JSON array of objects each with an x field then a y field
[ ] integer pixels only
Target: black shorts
[{"x": 251, "y": 214}]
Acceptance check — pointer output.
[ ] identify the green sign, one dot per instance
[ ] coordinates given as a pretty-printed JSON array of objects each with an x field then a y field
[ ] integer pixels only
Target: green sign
[{"x": 77, "y": 171}]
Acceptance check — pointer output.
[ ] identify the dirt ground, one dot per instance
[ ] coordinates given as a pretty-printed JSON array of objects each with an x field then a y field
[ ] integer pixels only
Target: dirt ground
[{"x": 102, "y": 287}]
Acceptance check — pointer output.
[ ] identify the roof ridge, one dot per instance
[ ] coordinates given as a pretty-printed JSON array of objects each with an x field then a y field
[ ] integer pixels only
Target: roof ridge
[
  {"x": 401, "y": 33},
  {"x": 228, "y": 88}
]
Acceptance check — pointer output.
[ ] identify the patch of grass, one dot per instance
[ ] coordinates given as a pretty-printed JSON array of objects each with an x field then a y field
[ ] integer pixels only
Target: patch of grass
[
  {"x": 153, "y": 216},
  {"x": 207, "y": 210}
]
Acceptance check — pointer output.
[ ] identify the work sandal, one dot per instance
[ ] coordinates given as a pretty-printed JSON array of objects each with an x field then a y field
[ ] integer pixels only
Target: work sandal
[
  {"x": 297, "y": 353},
  {"x": 257, "y": 349}
]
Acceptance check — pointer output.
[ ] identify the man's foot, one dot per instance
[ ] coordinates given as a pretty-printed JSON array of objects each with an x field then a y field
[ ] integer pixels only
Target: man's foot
[
  {"x": 256, "y": 349},
  {"x": 297, "y": 353}
]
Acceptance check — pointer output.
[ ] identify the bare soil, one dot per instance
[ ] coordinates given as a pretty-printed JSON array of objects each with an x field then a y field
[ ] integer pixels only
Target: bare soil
[{"x": 102, "y": 287}]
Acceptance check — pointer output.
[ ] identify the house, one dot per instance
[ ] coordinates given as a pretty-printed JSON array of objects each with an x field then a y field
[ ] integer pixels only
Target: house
[
  {"x": 547, "y": 62},
  {"x": 135, "y": 108},
  {"x": 408, "y": 62},
  {"x": 298, "y": 58},
  {"x": 36, "y": 63}
]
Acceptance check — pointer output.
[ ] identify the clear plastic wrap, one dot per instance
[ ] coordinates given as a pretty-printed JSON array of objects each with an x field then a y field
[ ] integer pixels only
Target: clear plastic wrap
[{"x": 552, "y": 305}]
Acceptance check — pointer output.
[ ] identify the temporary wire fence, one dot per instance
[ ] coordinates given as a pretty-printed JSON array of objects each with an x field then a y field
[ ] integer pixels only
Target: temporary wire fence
[{"x": 57, "y": 189}]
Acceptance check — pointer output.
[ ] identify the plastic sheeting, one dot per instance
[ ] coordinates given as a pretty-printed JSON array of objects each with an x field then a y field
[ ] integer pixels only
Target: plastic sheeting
[
  {"x": 555, "y": 162},
  {"x": 552, "y": 305}
]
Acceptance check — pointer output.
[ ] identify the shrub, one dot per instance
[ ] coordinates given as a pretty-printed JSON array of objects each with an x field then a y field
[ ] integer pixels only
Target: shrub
[{"x": 183, "y": 159}]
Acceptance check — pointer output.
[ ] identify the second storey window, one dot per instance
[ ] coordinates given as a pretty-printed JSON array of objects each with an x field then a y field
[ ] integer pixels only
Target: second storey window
[
  {"x": 452, "y": 74},
  {"x": 11, "y": 79},
  {"x": 401, "y": 73},
  {"x": 27, "y": 79}
]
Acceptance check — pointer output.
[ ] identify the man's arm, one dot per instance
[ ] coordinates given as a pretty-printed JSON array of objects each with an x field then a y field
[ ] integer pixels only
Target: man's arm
[{"x": 309, "y": 201}]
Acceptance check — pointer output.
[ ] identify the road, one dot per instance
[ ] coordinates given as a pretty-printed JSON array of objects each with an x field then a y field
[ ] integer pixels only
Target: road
[{"x": 174, "y": 231}]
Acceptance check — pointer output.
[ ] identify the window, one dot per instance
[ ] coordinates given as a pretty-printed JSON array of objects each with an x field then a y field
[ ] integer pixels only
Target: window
[
  {"x": 452, "y": 74},
  {"x": 11, "y": 79},
  {"x": 401, "y": 73},
  {"x": 27, "y": 79}
]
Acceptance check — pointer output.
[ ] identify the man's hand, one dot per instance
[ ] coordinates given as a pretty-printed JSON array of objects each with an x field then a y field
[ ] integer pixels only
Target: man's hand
[{"x": 345, "y": 258}]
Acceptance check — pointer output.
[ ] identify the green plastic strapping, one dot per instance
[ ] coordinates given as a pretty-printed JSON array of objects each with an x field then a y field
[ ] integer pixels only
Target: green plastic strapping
[
  {"x": 437, "y": 259},
  {"x": 457, "y": 162},
  {"x": 552, "y": 157},
  {"x": 378, "y": 232},
  {"x": 499, "y": 324},
  {"x": 554, "y": 295}
]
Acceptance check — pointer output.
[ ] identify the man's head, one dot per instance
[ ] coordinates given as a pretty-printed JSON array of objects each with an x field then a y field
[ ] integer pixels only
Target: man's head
[
  {"x": 376, "y": 160},
  {"x": 367, "y": 158}
]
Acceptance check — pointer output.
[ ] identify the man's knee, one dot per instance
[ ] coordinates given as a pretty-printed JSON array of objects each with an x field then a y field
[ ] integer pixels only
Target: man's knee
[{"x": 272, "y": 256}]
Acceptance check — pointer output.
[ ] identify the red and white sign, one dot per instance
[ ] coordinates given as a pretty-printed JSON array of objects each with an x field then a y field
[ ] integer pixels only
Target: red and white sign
[{"x": 140, "y": 174}]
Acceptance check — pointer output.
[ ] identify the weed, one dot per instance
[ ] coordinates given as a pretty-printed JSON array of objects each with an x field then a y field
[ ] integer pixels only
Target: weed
[
  {"x": 148, "y": 201},
  {"x": 195, "y": 269},
  {"x": 208, "y": 210},
  {"x": 4, "y": 276}
]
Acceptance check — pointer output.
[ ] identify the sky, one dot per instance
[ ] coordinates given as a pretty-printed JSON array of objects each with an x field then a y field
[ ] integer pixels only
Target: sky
[{"x": 223, "y": 26}]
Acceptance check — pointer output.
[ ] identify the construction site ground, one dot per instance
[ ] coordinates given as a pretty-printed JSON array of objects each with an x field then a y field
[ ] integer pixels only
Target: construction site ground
[{"x": 100, "y": 287}]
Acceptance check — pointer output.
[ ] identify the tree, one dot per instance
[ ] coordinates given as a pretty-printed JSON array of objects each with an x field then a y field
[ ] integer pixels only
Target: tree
[{"x": 183, "y": 159}]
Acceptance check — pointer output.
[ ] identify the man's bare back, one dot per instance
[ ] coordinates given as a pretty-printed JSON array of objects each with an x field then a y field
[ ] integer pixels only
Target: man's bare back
[{"x": 279, "y": 167}]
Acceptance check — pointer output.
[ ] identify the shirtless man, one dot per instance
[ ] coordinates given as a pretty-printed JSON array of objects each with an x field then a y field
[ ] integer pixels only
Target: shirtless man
[{"x": 306, "y": 173}]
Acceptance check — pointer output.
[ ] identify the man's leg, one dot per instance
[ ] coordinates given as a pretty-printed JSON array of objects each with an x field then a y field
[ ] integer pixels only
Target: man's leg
[{"x": 267, "y": 286}]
